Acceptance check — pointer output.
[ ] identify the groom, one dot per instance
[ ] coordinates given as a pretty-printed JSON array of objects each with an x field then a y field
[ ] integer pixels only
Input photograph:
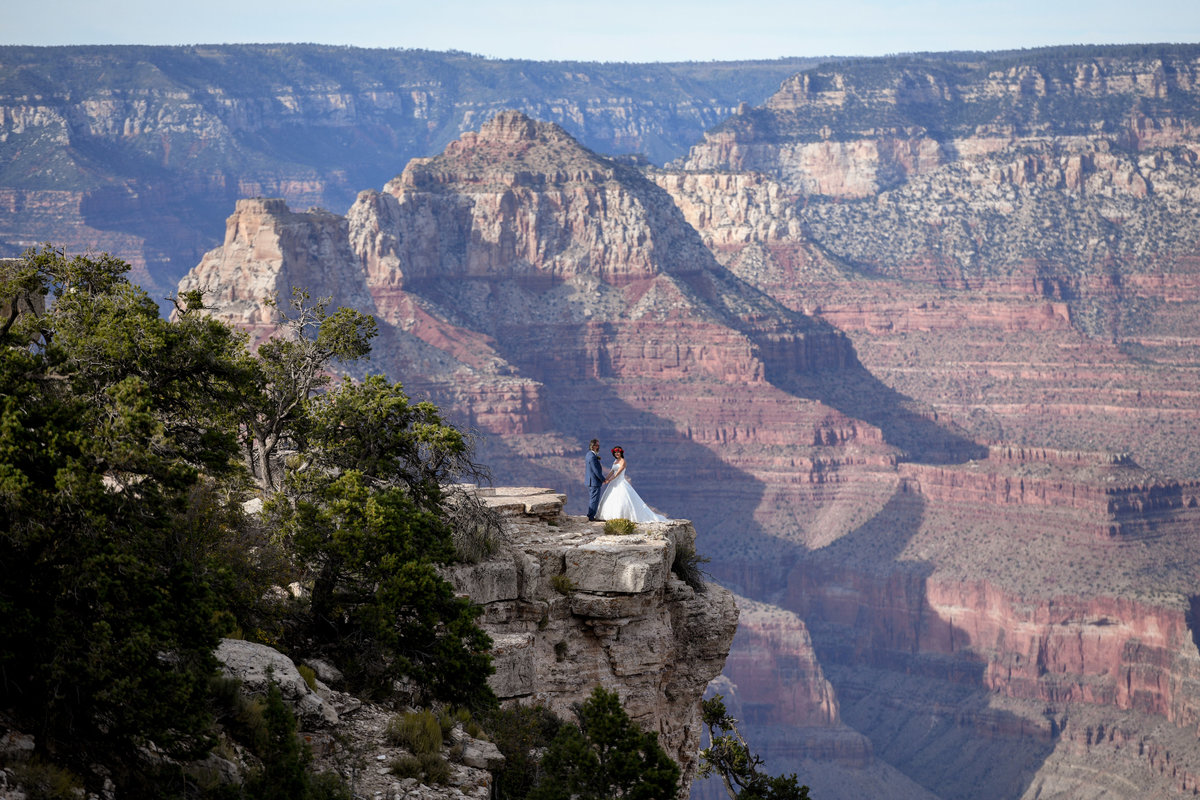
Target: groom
[{"x": 595, "y": 478}]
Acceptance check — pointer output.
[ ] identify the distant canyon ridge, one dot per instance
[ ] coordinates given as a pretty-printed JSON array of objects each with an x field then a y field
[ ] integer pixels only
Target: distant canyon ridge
[
  {"x": 142, "y": 151},
  {"x": 914, "y": 342}
]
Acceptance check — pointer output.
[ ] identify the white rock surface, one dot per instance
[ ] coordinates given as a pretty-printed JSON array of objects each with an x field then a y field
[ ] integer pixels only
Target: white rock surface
[{"x": 255, "y": 665}]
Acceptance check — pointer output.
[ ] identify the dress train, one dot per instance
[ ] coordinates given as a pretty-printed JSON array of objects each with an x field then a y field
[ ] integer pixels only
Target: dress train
[{"x": 620, "y": 501}]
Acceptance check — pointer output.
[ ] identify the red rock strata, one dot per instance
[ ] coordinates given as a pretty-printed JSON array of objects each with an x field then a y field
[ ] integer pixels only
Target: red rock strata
[{"x": 956, "y": 598}]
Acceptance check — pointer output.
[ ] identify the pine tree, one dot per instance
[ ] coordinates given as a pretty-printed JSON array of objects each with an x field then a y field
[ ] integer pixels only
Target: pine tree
[{"x": 606, "y": 756}]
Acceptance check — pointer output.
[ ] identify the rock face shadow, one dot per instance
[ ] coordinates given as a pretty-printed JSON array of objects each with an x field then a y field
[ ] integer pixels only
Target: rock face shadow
[
  {"x": 1193, "y": 618},
  {"x": 860, "y": 395},
  {"x": 903, "y": 675}
]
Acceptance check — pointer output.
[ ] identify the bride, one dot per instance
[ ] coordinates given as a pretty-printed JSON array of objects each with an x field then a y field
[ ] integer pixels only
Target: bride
[{"x": 619, "y": 500}]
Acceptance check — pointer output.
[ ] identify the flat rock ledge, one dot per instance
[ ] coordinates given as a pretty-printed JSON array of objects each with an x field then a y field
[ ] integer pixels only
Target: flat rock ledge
[{"x": 570, "y": 608}]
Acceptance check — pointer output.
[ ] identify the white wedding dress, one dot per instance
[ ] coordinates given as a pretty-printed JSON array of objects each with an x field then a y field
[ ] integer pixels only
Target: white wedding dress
[{"x": 620, "y": 501}]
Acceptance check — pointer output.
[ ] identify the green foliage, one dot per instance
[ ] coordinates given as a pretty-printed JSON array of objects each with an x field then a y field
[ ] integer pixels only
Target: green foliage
[
  {"x": 406, "y": 767},
  {"x": 379, "y": 607},
  {"x": 687, "y": 566},
  {"x": 606, "y": 755},
  {"x": 288, "y": 370},
  {"x": 113, "y": 440},
  {"x": 562, "y": 584},
  {"x": 327, "y": 786},
  {"x": 127, "y": 445},
  {"x": 430, "y": 768},
  {"x": 417, "y": 731},
  {"x": 620, "y": 527},
  {"x": 372, "y": 428},
  {"x": 729, "y": 757},
  {"x": 520, "y": 734},
  {"x": 309, "y": 675},
  {"x": 447, "y": 719},
  {"x": 285, "y": 760},
  {"x": 45, "y": 781},
  {"x": 435, "y": 768},
  {"x": 241, "y": 716},
  {"x": 361, "y": 505},
  {"x": 475, "y": 527}
]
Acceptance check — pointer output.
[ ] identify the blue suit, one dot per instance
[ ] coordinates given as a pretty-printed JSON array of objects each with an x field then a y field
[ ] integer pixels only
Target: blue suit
[{"x": 595, "y": 481}]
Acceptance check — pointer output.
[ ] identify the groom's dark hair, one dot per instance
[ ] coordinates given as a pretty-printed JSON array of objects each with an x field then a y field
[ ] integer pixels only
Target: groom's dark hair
[{"x": 595, "y": 442}]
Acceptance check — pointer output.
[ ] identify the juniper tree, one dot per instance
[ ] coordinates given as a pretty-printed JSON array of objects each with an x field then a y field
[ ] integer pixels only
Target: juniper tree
[
  {"x": 730, "y": 758},
  {"x": 126, "y": 552},
  {"x": 112, "y": 423},
  {"x": 606, "y": 756}
]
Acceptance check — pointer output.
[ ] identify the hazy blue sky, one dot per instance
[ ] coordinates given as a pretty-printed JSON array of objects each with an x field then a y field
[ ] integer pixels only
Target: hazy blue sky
[{"x": 610, "y": 30}]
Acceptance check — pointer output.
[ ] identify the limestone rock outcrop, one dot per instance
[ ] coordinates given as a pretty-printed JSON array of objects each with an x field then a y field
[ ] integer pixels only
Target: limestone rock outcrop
[
  {"x": 268, "y": 251},
  {"x": 257, "y": 665},
  {"x": 570, "y": 608}
]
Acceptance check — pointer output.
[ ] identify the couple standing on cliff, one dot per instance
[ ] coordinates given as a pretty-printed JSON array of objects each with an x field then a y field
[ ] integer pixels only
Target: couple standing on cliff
[{"x": 612, "y": 495}]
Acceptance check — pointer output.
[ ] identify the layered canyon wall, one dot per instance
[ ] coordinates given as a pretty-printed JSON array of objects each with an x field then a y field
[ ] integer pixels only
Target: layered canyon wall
[
  {"x": 955, "y": 488},
  {"x": 141, "y": 151},
  {"x": 1004, "y": 242},
  {"x": 1050, "y": 246}
]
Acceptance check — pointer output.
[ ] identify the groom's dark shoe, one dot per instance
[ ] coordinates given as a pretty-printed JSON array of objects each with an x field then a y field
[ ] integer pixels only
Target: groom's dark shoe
[{"x": 591, "y": 519}]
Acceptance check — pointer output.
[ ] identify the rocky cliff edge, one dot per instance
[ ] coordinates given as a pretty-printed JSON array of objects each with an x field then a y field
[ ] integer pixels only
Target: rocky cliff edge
[{"x": 570, "y": 608}]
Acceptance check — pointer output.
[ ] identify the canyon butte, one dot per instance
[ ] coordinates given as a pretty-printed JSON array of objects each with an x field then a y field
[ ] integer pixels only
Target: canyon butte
[{"x": 914, "y": 343}]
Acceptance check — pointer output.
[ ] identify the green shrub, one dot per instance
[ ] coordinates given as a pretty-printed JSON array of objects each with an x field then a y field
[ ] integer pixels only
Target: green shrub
[
  {"x": 606, "y": 755},
  {"x": 446, "y": 720},
  {"x": 309, "y": 675},
  {"x": 285, "y": 757},
  {"x": 429, "y": 768},
  {"x": 44, "y": 781},
  {"x": 687, "y": 566},
  {"x": 562, "y": 584},
  {"x": 328, "y": 786},
  {"x": 405, "y": 767},
  {"x": 475, "y": 528},
  {"x": 520, "y": 734},
  {"x": 435, "y": 768},
  {"x": 560, "y": 651},
  {"x": 418, "y": 731},
  {"x": 243, "y": 717},
  {"x": 619, "y": 527}
]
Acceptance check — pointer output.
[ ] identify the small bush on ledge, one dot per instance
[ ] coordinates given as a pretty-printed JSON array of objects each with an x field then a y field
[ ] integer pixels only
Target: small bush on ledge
[
  {"x": 687, "y": 567},
  {"x": 620, "y": 527},
  {"x": 430, "y": 768},
  {"x": 419, "y": 731},
  {"x": 562, "y": 584}
]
